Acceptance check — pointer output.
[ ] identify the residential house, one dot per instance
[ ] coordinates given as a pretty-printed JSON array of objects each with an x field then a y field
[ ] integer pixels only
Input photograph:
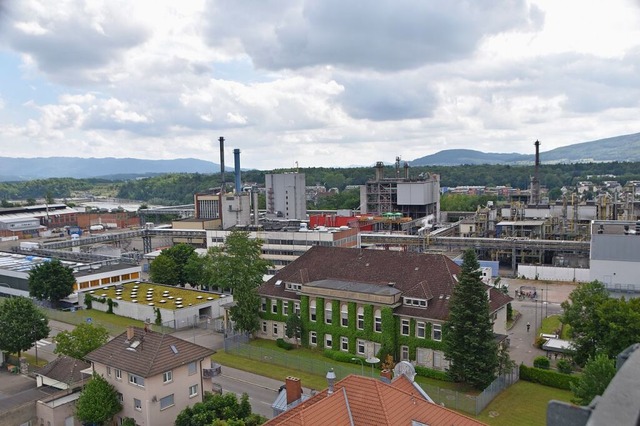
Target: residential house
[
  {"x": 355, "y": 301},
  {"x": 156, "y": 375},
  {"x": 360, "y": 400}
]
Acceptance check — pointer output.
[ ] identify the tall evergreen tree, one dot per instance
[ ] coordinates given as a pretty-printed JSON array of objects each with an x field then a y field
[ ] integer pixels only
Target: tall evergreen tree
[{"x": 469, "y": 341}]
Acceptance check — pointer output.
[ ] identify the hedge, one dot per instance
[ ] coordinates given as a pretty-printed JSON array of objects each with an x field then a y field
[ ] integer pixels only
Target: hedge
[
  {"x": 284, "y": 345},
  {"x": 340, "y": 356},
  {"x": 546, "y": 377},
  {"x": 433, "y": 374}
]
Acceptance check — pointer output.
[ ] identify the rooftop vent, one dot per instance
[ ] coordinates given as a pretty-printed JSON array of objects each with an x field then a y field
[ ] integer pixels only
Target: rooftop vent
[
  {"x": 391, "y": 284},
  {"x": 441, "y": 296},
  {"x": 278, "y": 283}
]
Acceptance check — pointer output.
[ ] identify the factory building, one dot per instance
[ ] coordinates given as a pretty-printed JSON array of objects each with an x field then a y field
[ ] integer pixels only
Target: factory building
[{"x": 286, "y": 196}]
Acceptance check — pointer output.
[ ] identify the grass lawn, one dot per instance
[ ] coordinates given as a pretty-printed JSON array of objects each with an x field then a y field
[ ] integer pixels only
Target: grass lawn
[
  {"x": 164, "y": 296},
  {"x": 523, "y": 404}
]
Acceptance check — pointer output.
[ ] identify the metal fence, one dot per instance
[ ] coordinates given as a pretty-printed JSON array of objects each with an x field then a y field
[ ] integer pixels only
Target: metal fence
[
  {"x": 72, "y": 318},
  {"x": 473, "y": 404}
]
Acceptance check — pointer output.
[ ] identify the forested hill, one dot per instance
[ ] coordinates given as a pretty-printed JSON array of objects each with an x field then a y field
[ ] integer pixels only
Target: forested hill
[
  {"x": 618, "y": 148},
  {"x": 173, "y": 189}
]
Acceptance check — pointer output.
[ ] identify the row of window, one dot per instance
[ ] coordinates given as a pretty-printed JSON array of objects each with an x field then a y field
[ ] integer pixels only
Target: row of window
[
  {"x": 421, "y": 329},
  {"x": 116, "y": 279},
  {"x": 344, "y": 316},
  {"x": 134, "y": 379},
  {"x": 274, "y": 307}
]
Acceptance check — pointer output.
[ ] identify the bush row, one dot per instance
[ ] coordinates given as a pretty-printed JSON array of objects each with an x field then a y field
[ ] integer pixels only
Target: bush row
[
  {"x": 284, "y": 345},
  {"x": 546, "y": 377},
  {"x": 433, "y": 374},
  {"x": 340, "y": 356}
]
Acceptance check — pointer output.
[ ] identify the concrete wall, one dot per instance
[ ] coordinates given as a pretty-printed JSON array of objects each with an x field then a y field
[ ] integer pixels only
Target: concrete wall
[
  {"x": 19, "y": 415},
  {"x": 553, "y": 273}
]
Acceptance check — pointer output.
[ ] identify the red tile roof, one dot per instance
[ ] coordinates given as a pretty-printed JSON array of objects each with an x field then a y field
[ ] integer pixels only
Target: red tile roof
[{"x": 360, "y": 400}]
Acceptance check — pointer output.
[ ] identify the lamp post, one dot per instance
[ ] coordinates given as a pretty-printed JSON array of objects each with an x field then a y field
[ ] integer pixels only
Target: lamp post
[{"x": 361, "y": 365}]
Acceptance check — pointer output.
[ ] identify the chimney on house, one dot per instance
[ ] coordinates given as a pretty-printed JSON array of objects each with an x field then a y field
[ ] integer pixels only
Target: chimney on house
[
  {"x": 331, "y": 379},
  {"x": 130, "y": 332},
  {"x": 293, "y": 387}
]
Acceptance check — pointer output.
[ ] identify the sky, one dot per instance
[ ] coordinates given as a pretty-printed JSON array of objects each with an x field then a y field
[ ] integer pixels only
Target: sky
[{"x": 329, "y": 83}]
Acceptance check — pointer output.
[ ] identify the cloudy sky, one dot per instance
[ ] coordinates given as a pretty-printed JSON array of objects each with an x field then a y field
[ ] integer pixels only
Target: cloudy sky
[{"x": 320, "y": 83}]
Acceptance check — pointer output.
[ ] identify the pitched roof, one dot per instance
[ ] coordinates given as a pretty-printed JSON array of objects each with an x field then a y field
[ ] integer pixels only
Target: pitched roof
[
  {"x": 64, "y": 369},
  {"x": 360, "y": 400},
  {"x": 153, "y": 355}
]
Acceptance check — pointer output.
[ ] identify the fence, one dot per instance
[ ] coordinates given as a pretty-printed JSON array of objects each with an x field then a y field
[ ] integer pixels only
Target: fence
[
  {"x": 473, "y": 404},
  {"x": 72, "y": 318}
]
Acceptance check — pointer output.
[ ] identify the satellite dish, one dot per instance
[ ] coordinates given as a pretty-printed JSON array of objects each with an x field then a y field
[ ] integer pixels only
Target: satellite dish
[{"x": 406, "y": 368}]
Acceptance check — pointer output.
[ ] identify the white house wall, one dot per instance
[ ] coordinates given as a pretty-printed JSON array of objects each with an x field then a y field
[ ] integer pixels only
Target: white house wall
[{"x": 554, "y": 273}]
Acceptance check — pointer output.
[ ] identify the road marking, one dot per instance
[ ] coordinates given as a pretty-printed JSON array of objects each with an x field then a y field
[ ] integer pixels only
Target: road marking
[{"x": 42, "y": 342}]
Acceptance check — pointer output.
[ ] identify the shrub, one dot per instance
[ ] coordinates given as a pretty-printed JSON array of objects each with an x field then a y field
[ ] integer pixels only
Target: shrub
[
  {"x": 284, "y": 345},
  {"x": 432, "y": 374},
  {"x": 541, "y": 362},
  {"x": 88, "y": 300},
  {"x": 564, "y": 366},
  {"x": 546, "y": 377},
  {"x": 539, "y": 342},
  {"x": 339, "y": 356}
]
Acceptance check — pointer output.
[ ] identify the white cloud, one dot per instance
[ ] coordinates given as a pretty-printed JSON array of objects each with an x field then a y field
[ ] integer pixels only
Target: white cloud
[{"x": 327, "y": 83}]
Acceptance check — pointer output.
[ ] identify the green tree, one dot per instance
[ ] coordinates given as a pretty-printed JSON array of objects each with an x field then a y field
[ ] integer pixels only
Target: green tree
[
  {"x": 220, "y": 410},
  {"x": 238, "y": 266},
  {"x": 98, "y": 402},
  {"x": 163, "y": 270},
  {"x": 580, "y": 312},
  {"x": 294, "y": 327},
  {"x": 179, "y": 254},
  {"x": 595, "y": 378},
  {"x": 31, "y": 201},
  {"x": 194, "y": 270},
  {"x": 619, "y": 322},
  {"x": 469, "y": 341},
  {"x": 51, "y": 281},
  {"x": 83, "y": 339},
  {"x": 22, "y": 325}
]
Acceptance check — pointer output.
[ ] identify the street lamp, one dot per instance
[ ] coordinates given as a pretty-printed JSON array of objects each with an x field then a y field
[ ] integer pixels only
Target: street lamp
[{"x": 361, "y": 365}]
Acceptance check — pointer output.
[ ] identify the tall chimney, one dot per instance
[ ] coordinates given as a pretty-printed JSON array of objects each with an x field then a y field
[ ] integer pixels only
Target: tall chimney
[
  {"x": 236, "y": 163},
  {"x": 222, "y": 185},
  {"x": 535, "y": 182},
  {"x": 379, "y": 171},
  {"x": 294, "y": 389},
  {"x": 130, "y": 332}
]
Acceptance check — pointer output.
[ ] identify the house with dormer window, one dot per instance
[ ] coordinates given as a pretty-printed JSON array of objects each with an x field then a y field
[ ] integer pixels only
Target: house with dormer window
[
  {"x": 355, "y": 301},
  {"x": 156, "y": 375}
]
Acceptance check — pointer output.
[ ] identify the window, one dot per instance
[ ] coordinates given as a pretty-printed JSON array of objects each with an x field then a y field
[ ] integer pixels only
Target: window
[
  {"x": 328, "y": 342},
  {"x": 328, "y": 313},
  {"x": 120, "y": 397},
  {"x": 166, "y": 402},
  {"x": 263, "y": 304},
  {"x": 285, "y": 308},
  {"x": 274, "y": 306},
  {"x": 167, "y": 376},
  {"x": 264, "y": 326},
  {"x": 344, "y": 315},
  {"x": 312, "y": 311},
  {"x": 437, "y": 332},
  {"x": 275, "y": 328},
  {"x": 377, "y": 321},
  {"x": 414, "y": 302},
  {"x": 313, "y": 338},
  {"x": 118, "y": 374},
  {"x": 344, "y": 343},
  {"x": 360, "y": 324},
  {"x": 109, "y": 371},
  {"x": 192, "y": 368},
  {"x": 137, "y": 404},
  {"x": 420, "y": 330},
  {"x": 404, "y": 353},
  {"x": 404, "y": 327},
  {"x": 193, "y": 391},
  {"x": 360, "y": 347},
  {"x": 136, "y": 380},
  {"x": 296, "y": 308}
]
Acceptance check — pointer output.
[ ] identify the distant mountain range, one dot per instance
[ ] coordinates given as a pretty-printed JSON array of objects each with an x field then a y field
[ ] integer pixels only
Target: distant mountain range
[
  {"x": 15, "y": 169},
  {"x": 618, "y": 148}
]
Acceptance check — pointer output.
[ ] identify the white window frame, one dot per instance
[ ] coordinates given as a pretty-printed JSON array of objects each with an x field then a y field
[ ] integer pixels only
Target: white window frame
[
  {"x": 328, "y": 339},
  {"x": 404, "y": 353},
  {"x": 137, "y": 404},
  {"x": 167, "y": 376},
  {"x": 109, "y": 371},
  {"x": 193, "y": 368},
  {"x": 405, "y": 324},
  {"x": 437, "y": 331},
  {"x": 118, "y": 373},
  {"x": 361, "y": 346},
  {"x": 312, "y": 311},
  {"x": 263, "y": 304},
  {"x": 285, "y": 308},
  {"x": 136, "y": 380},
  {"x": 313, "y": 338},
  {"x": 344, "y": 343},
  {"x": 377, "y": 321},
  {"x": 274, "y": 306},
  {"x": 274, "y": 329},
  {"x": 328, "y": 312},
  {"x": 421, "y": 326},
  {"x": 193, "y": 391},
  {"x": 264, "y": 327},
  {"x": 344, "y": 315},
  {"x": 169, "y": 400},
  {"x": 296, "y": 308},
  {"x": 360, "y": 318}
]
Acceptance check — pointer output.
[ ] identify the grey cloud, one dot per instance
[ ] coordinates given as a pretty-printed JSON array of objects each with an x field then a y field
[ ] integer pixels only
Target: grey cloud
[
  {"x": 387, "y": 98},
  {"x": 384, "y": 35},
  {"x": 74, "y": 41}
]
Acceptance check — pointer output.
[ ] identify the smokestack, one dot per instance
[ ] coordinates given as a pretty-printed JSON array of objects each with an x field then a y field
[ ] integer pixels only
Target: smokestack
[
  {"x": 294, "y": 389},
  {"x": 254, "y": 196},
  {"x": 222, "y": 185},
  {"x": 535, "y": 182},
  {"x": 130, "y": 332},
  {"x": 379, "y": 171},
  {"x": 236, "y": 162}
]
